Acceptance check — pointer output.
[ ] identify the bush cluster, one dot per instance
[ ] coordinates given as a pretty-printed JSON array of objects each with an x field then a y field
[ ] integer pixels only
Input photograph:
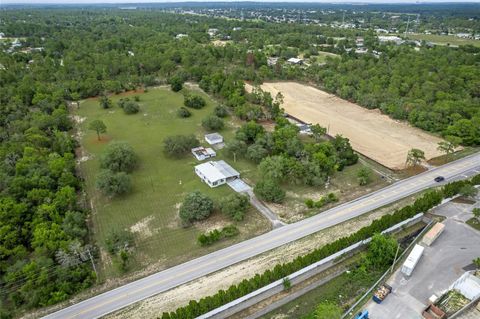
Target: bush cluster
[
  {"x": 327, "y": 199},
  {"x": 216, "y": 235},
  {"x": 128, "y": 106},
  {"x": 194, "y": 101},
  {"x": 422, "y": 204},
  {"x": 184, "y": 112}
]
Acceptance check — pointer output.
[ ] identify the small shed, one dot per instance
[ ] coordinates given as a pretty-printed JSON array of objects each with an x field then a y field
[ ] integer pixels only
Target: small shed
[
  {"x": 214, "y": 138},
  {"x": 201, "y": 153}
]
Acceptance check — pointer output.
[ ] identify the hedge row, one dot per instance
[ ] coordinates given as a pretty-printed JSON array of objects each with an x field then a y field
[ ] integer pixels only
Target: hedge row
[
  {"x": 422, "y": 204},
  {"x": 327, "y": 199},
  {"x": 215, "y": 235}
]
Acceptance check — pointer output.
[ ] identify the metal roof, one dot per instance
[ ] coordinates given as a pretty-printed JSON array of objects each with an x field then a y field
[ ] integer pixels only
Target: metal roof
[{"x": 225, "y": 169}]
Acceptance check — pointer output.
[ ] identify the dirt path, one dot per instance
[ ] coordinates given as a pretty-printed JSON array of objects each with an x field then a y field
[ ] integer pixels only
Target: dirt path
[{"x": 371, "y": 133}]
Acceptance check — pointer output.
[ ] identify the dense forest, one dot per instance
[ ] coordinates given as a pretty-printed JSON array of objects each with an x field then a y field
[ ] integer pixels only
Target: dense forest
[{"x": 67, "y": 55}]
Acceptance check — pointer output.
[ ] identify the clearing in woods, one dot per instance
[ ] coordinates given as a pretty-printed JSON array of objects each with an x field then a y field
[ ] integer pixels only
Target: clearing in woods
[
  {"x": 160, "y": 183},
  {"x": 371, "y": 133}
]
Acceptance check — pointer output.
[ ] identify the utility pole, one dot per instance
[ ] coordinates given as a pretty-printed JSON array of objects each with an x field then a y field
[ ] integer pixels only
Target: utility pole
[
  {"x": 395, "y": 259},
  {"x": 408, "y": 22},
  {"x": 93, "y": 263}
]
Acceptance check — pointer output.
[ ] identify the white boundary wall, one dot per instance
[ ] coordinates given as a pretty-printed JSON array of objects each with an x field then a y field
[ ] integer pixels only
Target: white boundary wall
[{"x": 265, "y": 292}]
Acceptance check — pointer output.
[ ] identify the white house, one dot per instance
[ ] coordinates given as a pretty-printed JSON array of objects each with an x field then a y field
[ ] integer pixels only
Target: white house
[
  {"x": 216, "y": 173},
  {"x": 295, "y": 61},
  {"x": 201, "y": 153},
  {"x": 214, "y": 138}
]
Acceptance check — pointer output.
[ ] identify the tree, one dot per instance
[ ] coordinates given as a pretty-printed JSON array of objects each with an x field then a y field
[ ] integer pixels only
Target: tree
[
  {"x": 99, "y": 127},
  {"x": 249, "y": 132},
  {"x": 183, "y": 112},
  {"x": 364, "y": 176},
  {"x": 415, "y": 157},
  {"x": 220, "y": 111},
  {"x": 381, "y": 251},
  {"x": 196, "y": 206},
  {"x": 179, "y": 145},
  {"x": 270, "y": 191},
  {"x": 112, "y": 184},
  {"x": 256, "y": 152},
  {"x": 236, "y": 149},
  {"x": 476, "y": 261},
  {"x": 448, "y": 146},
  {"x": 176, "y": 83},
  {"x": 105, "y": 102},
  {"x": 234, "y": 205},
  {"x": 318, "y": 132},
  {"x": 194, "y": 101},
  {"x": 328, "y": 310},
  {"x": 468, "y": 190},
  {"x": 212, "y": 123},
  {"x": 119, "y": 157}
]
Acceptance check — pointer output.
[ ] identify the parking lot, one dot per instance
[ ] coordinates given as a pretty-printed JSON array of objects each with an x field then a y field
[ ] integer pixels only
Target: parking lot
[{"x": 441, "y": 264}]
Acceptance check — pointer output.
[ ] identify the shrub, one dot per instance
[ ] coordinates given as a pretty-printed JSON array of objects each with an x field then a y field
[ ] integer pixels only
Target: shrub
[
  {"x": 194, "y": 101},
  {"x": 212, "y": 123},
  {"x": 117, "y": 240},
  {"x": 196, "y": 206},
  {"x": 183, "y": 112},
  {"x": 179, "y": 145},
  {"x": 112, "y": 184},
  {"x": 176, "y": 83},
  {"x": 105, "y": 102},
  {"x": 216, "y": 235},
  {"x": 287, "y": 284},
  {"x": 270, "y": 191},
  {"x": 136, "y": 98},
  {"x": 364, "y": 176},
  {"x": 234, "y": 205},
  {"x": 329, "y": 198},
  {"x": 220, "y": 111},
  {"x": 119, "y": 157},
  {"x": 310, "y": 203},
  {"x": 131, "y": 107}
]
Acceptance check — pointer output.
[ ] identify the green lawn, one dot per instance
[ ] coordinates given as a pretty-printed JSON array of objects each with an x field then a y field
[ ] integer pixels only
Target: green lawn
[
  {"x": 444, "y": 39},
  {"x": 159, "y": 183}
]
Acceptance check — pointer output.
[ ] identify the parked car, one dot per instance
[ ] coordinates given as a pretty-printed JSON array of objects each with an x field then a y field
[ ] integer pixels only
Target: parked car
[{"x": 439, "y": 179}]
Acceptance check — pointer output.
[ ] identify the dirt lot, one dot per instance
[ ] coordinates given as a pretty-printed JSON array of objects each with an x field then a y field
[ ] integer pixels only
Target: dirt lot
[{"x": 371, "y": 133}]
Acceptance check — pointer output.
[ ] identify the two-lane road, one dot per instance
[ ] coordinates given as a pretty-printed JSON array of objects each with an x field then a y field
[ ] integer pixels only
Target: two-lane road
[{"x": 164, "y": 280}]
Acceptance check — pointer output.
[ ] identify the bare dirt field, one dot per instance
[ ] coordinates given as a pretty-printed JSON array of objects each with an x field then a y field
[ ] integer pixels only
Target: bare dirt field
[{"x": 371, "y": 133}]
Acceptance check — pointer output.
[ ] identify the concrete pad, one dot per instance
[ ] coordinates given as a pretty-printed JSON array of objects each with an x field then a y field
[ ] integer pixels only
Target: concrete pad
[{"x": 441, "y": 264}]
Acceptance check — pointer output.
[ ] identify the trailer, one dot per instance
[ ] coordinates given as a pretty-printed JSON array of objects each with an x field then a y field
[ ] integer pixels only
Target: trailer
[
  {"x": 433, "y": 234},
  {"x": 433, "y": 312},
  {"x": 412, "y": 260},
  {"x": 382, "y": 292}
]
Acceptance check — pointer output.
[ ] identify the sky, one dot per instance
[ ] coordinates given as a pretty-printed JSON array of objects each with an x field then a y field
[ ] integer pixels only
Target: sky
[{"x": 151, "y": 1}]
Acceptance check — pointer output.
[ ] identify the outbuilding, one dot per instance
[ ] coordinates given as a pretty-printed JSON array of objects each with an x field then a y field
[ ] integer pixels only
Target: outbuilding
[
  {"x": 216, "y": 173},
  {"x": 201, "y": 153},
  {"x": 295, "y": 61},
  {"x": 214, "y": 138}
]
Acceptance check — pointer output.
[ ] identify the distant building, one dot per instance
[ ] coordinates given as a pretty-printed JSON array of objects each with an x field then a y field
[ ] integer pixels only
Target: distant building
[
  {"x": 214, "y": 138},
  {"x": 272, "y": 61},
  {"x": 181, "y": 36},
  {"x": 201, "y": 153},
  {"x": 390, "y": 38},
  {"x": 216, "y": 173},
  {"x": 2, "y": 35},
  {"x": 295, "y": 61},
  {"x": 237, "y": 29},
  {"x": 212, "y": 32}
]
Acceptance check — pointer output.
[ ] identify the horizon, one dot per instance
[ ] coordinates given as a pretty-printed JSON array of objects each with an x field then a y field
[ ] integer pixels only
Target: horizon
[{"x": 76, "y": 2}]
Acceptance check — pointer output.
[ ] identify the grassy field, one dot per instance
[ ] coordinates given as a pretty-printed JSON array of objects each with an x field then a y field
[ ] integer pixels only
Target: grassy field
[
  {"x": 159, "y": 183},
  {"x": 444, "y": 39}
]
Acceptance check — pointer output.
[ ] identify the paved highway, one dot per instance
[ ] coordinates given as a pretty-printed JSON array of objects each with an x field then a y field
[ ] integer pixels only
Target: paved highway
[{"x": 164, "y": 280}]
